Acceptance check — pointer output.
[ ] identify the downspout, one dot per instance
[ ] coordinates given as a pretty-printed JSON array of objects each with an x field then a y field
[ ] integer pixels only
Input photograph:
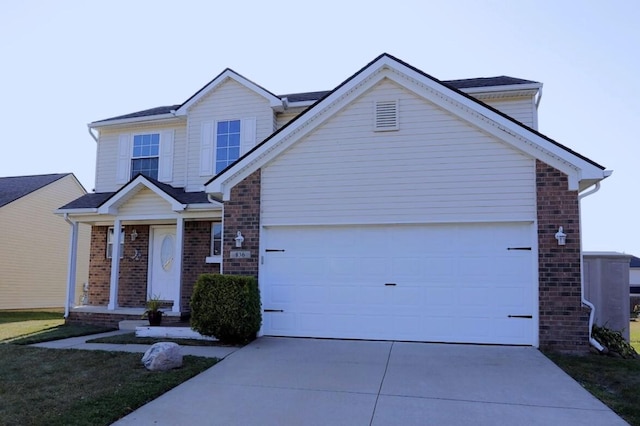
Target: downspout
[
  {"x": 539, "y": 97},
  {"x": 95, "y": 138},
  {"x": 585, "y": 302},
  {"x": 72, "y": 263}
]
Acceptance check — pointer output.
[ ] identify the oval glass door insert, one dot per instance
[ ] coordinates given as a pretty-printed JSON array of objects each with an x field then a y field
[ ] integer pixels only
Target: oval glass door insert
[{"x": 166, "y": 252}]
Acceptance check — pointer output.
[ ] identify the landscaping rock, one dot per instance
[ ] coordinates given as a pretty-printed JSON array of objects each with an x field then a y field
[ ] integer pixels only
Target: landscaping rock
[{"x": 162, "y": 356}]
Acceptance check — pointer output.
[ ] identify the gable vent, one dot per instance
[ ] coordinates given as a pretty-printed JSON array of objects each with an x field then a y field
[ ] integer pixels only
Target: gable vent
[{"x": 386, "y": 115}]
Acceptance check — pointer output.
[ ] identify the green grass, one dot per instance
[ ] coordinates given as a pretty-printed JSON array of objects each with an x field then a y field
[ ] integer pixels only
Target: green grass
[
  {"x": 28, "y": 327},
  {"x": 130, "y": 338},
  {"x": 634, "y": 329},
  {"x": 73, "y": 387},
  {"x": 614, "y": 381}
]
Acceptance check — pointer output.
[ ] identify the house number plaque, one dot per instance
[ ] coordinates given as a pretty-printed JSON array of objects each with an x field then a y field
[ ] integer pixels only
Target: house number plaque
[{"x": 240, "y": 254}]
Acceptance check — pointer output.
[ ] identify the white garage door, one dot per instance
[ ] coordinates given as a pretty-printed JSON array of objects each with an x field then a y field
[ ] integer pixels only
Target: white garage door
[{"x": 440, "y": 283}]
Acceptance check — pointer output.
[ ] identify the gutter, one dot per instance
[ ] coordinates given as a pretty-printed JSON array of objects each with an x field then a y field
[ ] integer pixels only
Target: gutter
[{"x": 585, "y": 302}]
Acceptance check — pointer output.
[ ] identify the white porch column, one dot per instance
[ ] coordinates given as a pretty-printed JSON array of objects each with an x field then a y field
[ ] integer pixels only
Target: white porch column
[
  {"x": 115, "y": 266},
  {"x": 178, "y": 261},
  {"x": 71, "y": 267}
]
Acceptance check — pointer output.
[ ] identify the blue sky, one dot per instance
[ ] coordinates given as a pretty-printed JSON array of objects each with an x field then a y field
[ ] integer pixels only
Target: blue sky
[{"x": 67, "y": 63}]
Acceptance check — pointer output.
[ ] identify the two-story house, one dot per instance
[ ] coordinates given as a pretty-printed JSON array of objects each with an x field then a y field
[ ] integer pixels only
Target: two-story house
[{"x": 395, "y": 206}]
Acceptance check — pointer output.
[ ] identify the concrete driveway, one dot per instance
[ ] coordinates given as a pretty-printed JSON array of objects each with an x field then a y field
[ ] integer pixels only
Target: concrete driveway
[{"x": 281, "y": 381}]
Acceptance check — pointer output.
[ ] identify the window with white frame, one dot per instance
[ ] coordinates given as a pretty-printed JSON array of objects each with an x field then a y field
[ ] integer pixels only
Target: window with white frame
[
  {"x": 110, "y": 242},
  {"x": 227, "y": 143},
  {"x": 216, "y": 239},
  {"x": 146, "y": 155}
]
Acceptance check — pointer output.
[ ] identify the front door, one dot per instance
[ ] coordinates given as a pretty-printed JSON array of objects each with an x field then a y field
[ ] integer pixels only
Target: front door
[{"x": 163, "y": 268}]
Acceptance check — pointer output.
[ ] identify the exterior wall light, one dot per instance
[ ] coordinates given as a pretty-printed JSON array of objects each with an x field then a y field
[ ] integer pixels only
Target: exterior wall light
[
  {"x": 134, "y": 235},
  {"x": 561, "y": 237},
  {"x": 239, "y": 239}
]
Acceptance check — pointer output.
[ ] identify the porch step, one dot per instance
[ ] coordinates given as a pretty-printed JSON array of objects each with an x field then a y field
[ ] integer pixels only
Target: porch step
[{"x": 132, "y": 324}]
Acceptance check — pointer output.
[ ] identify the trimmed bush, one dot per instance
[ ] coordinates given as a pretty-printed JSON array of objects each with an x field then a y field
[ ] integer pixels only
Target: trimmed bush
[{"x": 226, "y": 307}]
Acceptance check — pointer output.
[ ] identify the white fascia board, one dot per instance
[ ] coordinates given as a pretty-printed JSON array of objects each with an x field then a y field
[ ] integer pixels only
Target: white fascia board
[
  {"x": 274, "y": 101},
  {"x": 170, "y": 117},
  {"x": 112, "y": 204},
  {"x": 62, "y": 212},
  {"x": 300, "y": 104},
  {"x": 508, "y": 88},
  {"x": 208, "y": 206}
]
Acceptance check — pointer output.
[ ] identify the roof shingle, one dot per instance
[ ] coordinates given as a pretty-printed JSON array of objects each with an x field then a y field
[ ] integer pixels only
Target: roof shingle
[{"x": 16, "y": 187}]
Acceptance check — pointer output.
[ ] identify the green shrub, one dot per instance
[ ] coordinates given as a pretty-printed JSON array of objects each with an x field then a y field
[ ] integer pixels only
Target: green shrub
[{"x": 226, "y": 307}]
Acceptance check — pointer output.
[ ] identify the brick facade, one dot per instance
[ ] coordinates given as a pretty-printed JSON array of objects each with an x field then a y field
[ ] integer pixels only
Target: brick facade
[
  {"x": 132, "y": 287},
  {"x": 197, "y": 246},
  {"x": 564, "y": 322},
  {"x": 99, "y": 268},
  {"x": 242, "y": 213}
]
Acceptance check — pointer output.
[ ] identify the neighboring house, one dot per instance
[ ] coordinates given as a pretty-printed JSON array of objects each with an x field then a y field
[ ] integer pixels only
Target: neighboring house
[
  {"x": 34, "y": 251},
  {"x": 634, "y": 281},
  {"x": 395, "y": 206}
]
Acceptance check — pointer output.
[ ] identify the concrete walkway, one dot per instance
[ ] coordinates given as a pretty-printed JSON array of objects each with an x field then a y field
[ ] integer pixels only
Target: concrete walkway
[
  {"x": 81, "y": 343},
  {"x": 280, "y": 381}
]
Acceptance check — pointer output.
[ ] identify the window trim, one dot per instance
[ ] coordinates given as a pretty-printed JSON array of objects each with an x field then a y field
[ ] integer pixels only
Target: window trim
[
  {"x": 132, "y": 158},
  {"x": 215, "y": 258},
  {"x": 110, "y": 235},
  {"x": 215, "y": 145}
]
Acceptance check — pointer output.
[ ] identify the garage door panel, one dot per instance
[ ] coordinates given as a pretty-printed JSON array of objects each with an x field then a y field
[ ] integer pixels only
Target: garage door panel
[{"x": 453, "y": 283}]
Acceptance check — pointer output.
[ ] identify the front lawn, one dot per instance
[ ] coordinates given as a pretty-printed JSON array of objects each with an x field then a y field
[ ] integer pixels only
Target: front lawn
[
  {"x": 614, "y": 381},
  {"x": 77, "y": 387},
  {"x": 73, "y": 387},
  {"x": 634, "y": 329},
  {"x": 28, "y": 327}
]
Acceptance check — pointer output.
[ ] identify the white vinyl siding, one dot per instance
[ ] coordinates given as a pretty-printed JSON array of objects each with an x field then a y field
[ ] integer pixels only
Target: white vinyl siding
[
  {"x": 111, "y": 172},
  {"x": 145, "y": 203},
  {"x": 285, "y": 117},
  {"x": 436, "y": 168},
  {"x": 229, "y": 101},
  {"x": 34, "y": 253},
  {"x": 522, "y": 109}
]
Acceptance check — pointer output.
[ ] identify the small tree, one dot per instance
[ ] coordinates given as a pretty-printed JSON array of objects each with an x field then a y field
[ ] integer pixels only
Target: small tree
[{"x": 226, "y": 307}]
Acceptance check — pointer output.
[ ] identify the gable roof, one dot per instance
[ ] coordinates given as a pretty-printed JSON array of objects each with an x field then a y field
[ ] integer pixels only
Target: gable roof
[
  {"x": 305, "y": 97},
  {"x": 582, "y": 172},
  {"x": 16, "y": 187},
  {"x": 178, "y": 197}
]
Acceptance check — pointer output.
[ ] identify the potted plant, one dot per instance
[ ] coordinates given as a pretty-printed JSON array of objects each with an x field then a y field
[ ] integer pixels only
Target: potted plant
[
  {"x": 153, "y": 312},
  {"x": 636, "y": 311}
]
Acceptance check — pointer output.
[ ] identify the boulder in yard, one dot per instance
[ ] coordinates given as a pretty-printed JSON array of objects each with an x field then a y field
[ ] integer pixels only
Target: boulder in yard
[{"x": 162, "y": 356}]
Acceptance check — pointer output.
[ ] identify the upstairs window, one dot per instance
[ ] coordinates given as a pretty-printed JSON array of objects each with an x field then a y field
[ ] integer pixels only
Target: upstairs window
[
  {"x": 146, "y": 155},
  {"x": 227, "y": 143}
]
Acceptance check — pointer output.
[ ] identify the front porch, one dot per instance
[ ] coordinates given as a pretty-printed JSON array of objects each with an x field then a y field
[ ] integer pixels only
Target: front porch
[{"x": 102, "y": 315}]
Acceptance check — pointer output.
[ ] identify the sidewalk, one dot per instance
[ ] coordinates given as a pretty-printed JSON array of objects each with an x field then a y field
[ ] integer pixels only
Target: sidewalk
[{"x": 81, "y": 343}]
